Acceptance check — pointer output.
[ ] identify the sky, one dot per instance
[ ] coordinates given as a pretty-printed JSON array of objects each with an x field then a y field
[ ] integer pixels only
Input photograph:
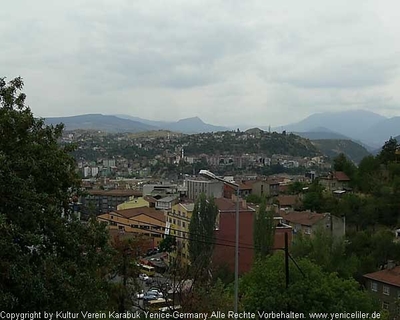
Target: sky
[{"x": 228, "y": 62}]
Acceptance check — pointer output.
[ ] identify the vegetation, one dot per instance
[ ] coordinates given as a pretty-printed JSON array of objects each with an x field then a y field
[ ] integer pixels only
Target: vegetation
[
  {"x": 48, "y": 260},
  {"x": 311, "y": 290},
  {"x": 201, "y": 233},
  {"x": 332, "y": 148},
  {"x": 167, "y": 244},
  {"x": 264, "y": 231}
]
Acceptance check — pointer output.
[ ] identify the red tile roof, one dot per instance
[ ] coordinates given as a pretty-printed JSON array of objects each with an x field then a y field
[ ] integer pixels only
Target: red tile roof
[
  {"x": 340, "y": 176},
  {"x": 134, "y": 212},
  {"x": 228, "y": 205},
  {"x": 288, "y": 200},
  {"x": 389, "y": 276},
  {"x": 304, "y": 218}
]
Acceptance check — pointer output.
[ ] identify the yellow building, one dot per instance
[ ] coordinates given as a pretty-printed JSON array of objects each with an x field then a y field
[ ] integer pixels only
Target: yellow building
[
  {"x": 133, "y": 203},
  {"x": 142, "y": 221},
  {"x": 178, "y": 220}
]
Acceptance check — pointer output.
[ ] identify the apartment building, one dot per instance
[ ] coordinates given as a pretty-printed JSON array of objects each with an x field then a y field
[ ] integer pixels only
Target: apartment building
[{"x": 197, "y": 186}]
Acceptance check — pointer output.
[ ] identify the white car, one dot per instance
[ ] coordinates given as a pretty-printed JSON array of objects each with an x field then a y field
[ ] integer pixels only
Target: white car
[
  {"x": 155, "y": 292},
  {"x": 143, "y": 277}
]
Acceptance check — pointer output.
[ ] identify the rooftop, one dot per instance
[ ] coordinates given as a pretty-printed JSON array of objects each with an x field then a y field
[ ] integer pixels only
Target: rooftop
[
  {"x": 229, "y": 205},
  {"x": 134, "y": 212},
  {"x": 304, "y": 218},
  {"x": 389, "y": 276}
]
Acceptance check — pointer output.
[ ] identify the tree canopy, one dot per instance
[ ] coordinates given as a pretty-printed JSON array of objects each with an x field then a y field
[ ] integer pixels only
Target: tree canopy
[{"x": 48, "y": 260}]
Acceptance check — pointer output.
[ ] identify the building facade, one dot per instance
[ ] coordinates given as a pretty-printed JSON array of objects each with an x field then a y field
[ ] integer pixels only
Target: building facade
[{"x": 211, "y": 188}]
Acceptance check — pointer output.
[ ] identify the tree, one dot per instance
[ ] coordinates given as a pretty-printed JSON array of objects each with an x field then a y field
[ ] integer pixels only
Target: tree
[
  {"x": 315, "y": 291},
  {"x": 48, "y": 260},
  {"x": 201, "y": 233},
  {"x": 341, "y": 163},
  {"x": 388, "y": 152},
  {"x": 264, "y": 230},
  {"x": 167, "y": 244}
]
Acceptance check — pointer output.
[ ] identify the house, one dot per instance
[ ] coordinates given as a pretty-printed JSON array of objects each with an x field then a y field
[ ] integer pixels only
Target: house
[
  {"x": 245, "y": 188},
  {"x": 269, "y": 187},
  {"x": 286, "y": 202},
  {"x": 385, "y": 286},
  {"x": 336, "y": 180},
  {"x": 225, "y": 235},
  {"x": 143, "y": 221},
  {"x": 307, "y": 222}
]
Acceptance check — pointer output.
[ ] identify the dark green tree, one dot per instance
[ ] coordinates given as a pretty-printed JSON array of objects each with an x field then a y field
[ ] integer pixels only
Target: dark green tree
[
  {"x": 201, "y": 233},
  {"x": 316, "y": 291},
  {"x": 48, "y": 260},
  {"x": 341, "y": 163},
  {"x": 264, "y": 230},
  {"x": 388, "y": 152},
  {"x": 167, "y": 244}
]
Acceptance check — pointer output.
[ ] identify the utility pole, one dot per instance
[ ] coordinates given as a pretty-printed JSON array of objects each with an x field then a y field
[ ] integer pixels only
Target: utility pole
[{"x": 287, "y": 260}]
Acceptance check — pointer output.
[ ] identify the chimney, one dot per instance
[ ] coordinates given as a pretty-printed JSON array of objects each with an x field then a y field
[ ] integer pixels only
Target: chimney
[
  {"x": 244, "y": 204},
  {"x": 391, "y": 264}
]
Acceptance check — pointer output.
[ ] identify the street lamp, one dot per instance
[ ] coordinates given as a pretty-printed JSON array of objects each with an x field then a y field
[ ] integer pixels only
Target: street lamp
[{"x": 210, "y": 175}]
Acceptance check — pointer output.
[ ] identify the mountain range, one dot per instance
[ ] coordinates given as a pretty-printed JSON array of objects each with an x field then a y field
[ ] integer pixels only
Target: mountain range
[{"x": 366, "y": 128}]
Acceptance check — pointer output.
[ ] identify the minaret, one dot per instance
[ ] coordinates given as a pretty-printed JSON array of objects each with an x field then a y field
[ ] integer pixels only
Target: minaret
[{"x": 183, "y": 154}]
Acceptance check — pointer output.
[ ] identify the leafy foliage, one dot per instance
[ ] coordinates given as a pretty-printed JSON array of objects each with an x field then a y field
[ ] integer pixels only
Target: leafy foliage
[
  {"x": 316, "y": 291},
  {"x": 264, "y": 230},
  {"x": 201, "y": 232},
  {"x": 167, "y": 244},
  {"x": 47, "y": 262}
]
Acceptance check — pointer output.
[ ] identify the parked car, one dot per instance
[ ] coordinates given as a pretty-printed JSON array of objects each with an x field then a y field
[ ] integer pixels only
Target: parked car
[
  {"x": 150, "y": 296},
  {"x": 156, "y": 292},
  {"x": 144, "y": 277}
]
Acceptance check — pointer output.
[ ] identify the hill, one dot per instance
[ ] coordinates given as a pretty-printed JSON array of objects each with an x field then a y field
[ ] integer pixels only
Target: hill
[
  {"x": 188, "y": 125},
  {"x": 351, "y": 149},
  {"x": 382, "y": 131},
  {"x": 100, "y": 122},
  {"x": 237, "y": 143},
  {"x": 322, "y": 135}
]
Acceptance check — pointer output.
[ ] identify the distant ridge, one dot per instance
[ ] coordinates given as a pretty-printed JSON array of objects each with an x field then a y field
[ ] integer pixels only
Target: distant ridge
[{"x": 114, "y": 124}]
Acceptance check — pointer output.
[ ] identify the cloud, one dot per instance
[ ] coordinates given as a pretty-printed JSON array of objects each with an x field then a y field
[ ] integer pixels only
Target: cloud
[{"x": 251, "y": 62}]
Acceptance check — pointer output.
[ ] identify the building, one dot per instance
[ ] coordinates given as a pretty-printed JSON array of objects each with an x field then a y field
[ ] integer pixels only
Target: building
[
  {"x": 336, "y": 180},
  {"x": 225, "y": 235},
  {"x": 102, "y": 201},
  {"x": 290, "y": 202},
  {"x": 197, "y": 186},
  {"x": 178, "y": 220},
  {"x": 161, "y": 190},
  {"x": 264, "y": 188},
  {"x": 166, "y": 203},
  {"x": 143, "y": 221},
  {"x": 307, "y": 222},
  {"x": 385, "y": 286},
  {"x": 135, "y": 202}
]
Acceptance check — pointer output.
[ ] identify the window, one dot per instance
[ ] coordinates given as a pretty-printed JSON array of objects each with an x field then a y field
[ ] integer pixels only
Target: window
[
  {"x": 183, "y": 224},
  {"x": 386, "y": 290},
  {"x": 374, "y": 286},
  {"x": 385, "y": 305}
]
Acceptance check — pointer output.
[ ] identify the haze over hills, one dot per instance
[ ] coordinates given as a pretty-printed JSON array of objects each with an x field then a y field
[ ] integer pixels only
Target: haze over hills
[
  {"x": 369, "y": 128},
  {"x": 111, "y": 123},
  {"x": 100, "y": 122}
]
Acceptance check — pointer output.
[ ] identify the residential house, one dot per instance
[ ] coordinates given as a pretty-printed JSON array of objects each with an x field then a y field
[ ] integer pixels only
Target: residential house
[
  {"x": 144, "y": 221},
  {"x": 264, "y": 188},
  {"x": 288, "y": 202},
  {"x": 245, "y": 188},
  {"x": 225, "y": 235},
  {"x": 307, "y": 222},
  {"x": 385, "y": 286},
  {"x": 336, "y": 180}
]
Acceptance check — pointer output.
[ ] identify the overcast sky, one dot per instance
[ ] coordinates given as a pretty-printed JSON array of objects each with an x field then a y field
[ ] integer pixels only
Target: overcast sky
[{"x": 228, "y": 62}]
